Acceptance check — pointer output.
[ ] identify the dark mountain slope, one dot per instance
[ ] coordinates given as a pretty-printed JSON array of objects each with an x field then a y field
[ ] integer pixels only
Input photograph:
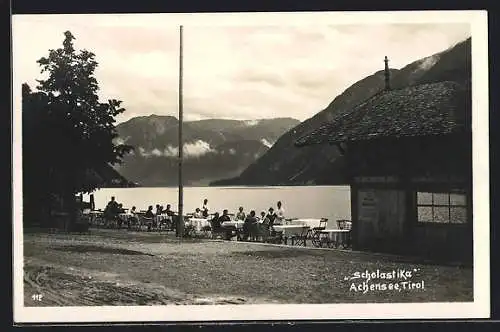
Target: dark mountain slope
[{"x": 285, "y": 164}]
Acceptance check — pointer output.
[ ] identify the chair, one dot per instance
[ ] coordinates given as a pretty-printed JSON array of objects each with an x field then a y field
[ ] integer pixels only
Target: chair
[
  {"x": 315, "y": 233},
  {"x": 275, "y": 237},
  {"x": 98, "y": 219},
  {"x": 189, "y": 231},
  {"x": 133, "y": 223},
  {"x": 300, "y": 239},
  {"x": 162, "y": 223},
  {"x": 145, "y": 221},
  {"x": 345, "y": 225},
  {"x": 218, "y": 231},
  {"x": 169, "y": 224}
]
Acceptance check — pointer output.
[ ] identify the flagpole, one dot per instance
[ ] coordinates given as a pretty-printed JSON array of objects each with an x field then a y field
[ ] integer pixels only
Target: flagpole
[{"x": 180, "y": 227}]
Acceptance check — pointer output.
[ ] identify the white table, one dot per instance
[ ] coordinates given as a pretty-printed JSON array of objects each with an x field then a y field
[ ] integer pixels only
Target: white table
[
  {"x": 306, "y": 222},
  {"x": 291, "y": 230},
  {"x": 297, "y": 233},
  {"x": 233, "y": 223},
  {"x": 197, "y": 223},
  {"x": 162, "y": 217}
]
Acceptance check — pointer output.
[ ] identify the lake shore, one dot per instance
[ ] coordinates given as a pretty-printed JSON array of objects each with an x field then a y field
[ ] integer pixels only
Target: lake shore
[{"x": 108, "y": 267}]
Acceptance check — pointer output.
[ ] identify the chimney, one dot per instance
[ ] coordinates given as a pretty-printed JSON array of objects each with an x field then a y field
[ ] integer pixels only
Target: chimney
[{"x": 387, "y": 75}]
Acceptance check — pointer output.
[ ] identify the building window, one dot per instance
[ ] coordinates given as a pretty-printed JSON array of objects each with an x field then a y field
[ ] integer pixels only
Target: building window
[{"x": 442, "y": 208}]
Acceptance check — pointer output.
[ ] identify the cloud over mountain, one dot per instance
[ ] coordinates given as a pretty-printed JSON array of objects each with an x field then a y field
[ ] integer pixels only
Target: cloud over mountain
[{"x": 233, "y": 72}]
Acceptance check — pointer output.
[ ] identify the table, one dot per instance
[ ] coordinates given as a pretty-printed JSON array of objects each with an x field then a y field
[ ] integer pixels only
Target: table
[
  {"x": 297, "y": 233},
  {"x": 162, "y": 217},
  {"x": 197, "y": 223},
  {"x": 291, "y": 230},
  {"x": 306, "y": 222},
  {"x": 233, "y": 223},
  {"x": 336, "y": 237}
]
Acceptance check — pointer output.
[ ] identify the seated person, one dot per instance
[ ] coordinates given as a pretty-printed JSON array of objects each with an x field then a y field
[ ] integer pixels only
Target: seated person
[
  {"x": 264, "y": 226},
  {"x": 150, "y": 215},
  {"x": 111, "y": 210},
  {"x": 225, "y": 216},
  {"x": 149, "y": 212},
  {"x": 133, "y": 217},
  {"x": 271, "y": 216},
  {"x": 248, "y": 225},
  {"x": 240, "y": 215},
  {"x": 112, "y": 204},
  {"x": 168, "y": 211},
  {"x": 216, "y": 221},
  {"x": 158, "y": 209},
  {"x": 197, "y": 213},
  {"x": 120, "y": 210},
  {"x": 262, "y": 218},
  {"x": 228, "y": 230}
]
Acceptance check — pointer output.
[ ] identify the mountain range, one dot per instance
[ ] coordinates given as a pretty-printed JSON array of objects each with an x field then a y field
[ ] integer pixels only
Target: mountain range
[
  {"x": 285, "y": 164},
  {"x": 213, "y": 149}
]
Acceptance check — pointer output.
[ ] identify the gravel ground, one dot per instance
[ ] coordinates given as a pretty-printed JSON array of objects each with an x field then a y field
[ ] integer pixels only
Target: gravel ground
[{"x": 127, "y": 268}]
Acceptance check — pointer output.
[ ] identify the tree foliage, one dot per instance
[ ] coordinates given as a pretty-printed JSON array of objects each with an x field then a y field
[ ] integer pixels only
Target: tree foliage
[{"x": 68, "y": 134}]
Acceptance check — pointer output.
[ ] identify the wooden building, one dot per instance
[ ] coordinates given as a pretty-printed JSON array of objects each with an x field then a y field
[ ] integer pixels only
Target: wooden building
[{"x": 409, "y": 164}]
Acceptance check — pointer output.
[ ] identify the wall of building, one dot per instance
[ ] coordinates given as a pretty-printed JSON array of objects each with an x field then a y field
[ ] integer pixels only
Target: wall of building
[
  {"x": 452, "y": 242},
  {"x": 380, "y": 217},
  {"x": 384, "y": 220}
]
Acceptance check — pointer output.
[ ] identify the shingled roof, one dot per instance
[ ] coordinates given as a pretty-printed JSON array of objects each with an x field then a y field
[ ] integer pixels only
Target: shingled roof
[{"x": 420, "y": 110}]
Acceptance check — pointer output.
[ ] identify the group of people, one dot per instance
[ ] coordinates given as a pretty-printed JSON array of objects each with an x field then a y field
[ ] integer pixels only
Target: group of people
[
  {"x": 202, "y": 212},
  {"x": 266, "y": 219},
  {"x": 114, "y": 209},
  {"x": 159, "y": 211},
  {"x": 251, "y": 220}
]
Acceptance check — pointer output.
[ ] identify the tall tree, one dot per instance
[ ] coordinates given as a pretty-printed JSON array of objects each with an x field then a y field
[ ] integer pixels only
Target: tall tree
[{"x": 78, "y": 129}]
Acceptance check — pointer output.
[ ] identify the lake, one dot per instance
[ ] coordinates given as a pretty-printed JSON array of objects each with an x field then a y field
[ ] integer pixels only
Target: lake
[{"x": 332, "y": 202}]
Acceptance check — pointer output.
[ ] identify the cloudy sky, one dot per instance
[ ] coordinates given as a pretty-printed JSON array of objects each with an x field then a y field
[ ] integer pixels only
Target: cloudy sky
[{"x": 230, "y": 71}]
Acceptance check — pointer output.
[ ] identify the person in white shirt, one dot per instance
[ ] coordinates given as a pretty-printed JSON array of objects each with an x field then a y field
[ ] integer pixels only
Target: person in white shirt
[
  {"x": 197, "y": 213},
  {"x": 280, "y": 213},
  {"x": 262, "y": 217},
  {"x": 240, "y": 215},
  {"x": 133, "y": 218},
  {"x": 205, "y": 209}
]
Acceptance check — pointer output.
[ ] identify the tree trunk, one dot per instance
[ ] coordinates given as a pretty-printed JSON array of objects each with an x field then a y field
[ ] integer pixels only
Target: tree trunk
[{"x": 70, "y": 204}]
